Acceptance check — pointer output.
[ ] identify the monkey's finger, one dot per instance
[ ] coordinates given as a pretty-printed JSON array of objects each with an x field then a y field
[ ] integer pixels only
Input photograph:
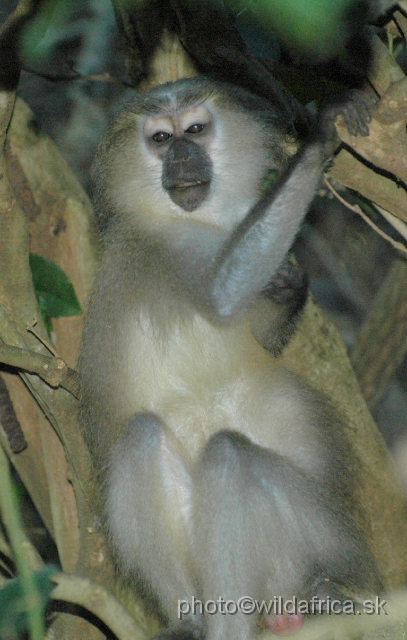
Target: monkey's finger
[{"x": 357, "y": 112}]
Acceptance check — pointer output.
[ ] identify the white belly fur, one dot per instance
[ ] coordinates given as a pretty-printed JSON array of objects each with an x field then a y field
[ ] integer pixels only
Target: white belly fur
[{"x": 201, "y": 379}]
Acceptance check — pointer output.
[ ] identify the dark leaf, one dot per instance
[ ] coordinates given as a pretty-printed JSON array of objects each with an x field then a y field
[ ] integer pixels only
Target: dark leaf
[
  {"x": 55, "y": 293},
  {"x": 13, "y": 611}
]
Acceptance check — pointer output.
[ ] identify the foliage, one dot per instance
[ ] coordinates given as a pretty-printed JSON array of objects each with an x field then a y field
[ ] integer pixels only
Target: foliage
[
  {"x": 39, "y": 36},
  {"x": 317, "y": 27},
  {"x": 55, "y": 293},
  {"x": 13, "y": 604}
]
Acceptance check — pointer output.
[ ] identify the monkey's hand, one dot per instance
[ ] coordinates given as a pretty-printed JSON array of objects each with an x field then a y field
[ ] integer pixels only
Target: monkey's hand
[{"x": 356, "y": 109}]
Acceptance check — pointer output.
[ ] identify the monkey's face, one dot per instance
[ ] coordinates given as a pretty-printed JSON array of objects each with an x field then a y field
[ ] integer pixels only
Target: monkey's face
[
  {"x": 182, "y": 142},
  {"x": 191, "y": 149}
]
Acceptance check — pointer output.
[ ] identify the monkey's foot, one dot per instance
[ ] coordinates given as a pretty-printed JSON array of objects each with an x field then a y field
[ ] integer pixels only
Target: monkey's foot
[
  {"x": 285, "y": 624},
  {"x": 288, "y": 286}
]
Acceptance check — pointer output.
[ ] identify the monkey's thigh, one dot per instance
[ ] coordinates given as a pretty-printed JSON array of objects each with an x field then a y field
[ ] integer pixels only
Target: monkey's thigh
[
  {"x": 149, "y": 496},
  {"x": 260, "y": 523}
]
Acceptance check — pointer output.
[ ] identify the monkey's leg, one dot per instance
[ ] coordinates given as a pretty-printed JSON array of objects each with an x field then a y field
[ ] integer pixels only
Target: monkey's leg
[
  {"x": 262, "y": 529},
  {"x": 149, "y": 497},
  {"x": 248, "y": 534}
]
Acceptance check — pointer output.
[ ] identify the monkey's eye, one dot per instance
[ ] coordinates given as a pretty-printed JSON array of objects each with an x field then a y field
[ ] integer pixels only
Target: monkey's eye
[
  {"x": 162, "y": 136},
  {"x": 195, "y": 128}
]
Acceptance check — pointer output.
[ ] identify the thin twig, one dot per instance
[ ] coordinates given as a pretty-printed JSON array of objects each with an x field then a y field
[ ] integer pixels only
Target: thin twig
[
  {"x": 399, "y": 225},
  {"x": 74, "y": 76},
  {"x": 30, "y": 328},
  {"x": 10, "y": 333}
]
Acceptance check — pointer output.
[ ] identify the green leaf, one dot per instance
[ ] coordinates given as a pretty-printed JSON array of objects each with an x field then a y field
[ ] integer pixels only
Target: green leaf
[
  {"x": 55, "y": 293},
  {"x": 319, "y": 27},
  {"x": 39, "y": 35},
  {"x": 13, "y": 607}
]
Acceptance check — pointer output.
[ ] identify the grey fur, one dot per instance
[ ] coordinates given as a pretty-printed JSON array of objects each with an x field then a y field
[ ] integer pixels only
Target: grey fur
[{"x": 221, "y": 474}]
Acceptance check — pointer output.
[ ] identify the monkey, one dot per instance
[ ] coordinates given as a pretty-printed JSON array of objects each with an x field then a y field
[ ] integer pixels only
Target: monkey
[{"x": 221, "y": 474}]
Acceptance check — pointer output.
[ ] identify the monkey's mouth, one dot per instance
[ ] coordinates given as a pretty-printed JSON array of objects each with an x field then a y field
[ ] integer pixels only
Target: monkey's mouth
[
  {"x": 189, "y": 194},
  {"x": 196, "y": 183}
]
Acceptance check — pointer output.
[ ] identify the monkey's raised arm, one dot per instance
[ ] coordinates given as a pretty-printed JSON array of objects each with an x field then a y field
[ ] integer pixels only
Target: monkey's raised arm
[{"x": 256, "y": 249}]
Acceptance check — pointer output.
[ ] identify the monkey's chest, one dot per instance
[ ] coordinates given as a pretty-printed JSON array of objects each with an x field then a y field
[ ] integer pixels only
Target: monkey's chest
[{"x": 204, "y": 379}]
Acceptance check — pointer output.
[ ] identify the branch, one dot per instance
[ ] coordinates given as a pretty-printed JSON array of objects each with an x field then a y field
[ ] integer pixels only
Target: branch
[
  {"x": 386, "y": 145},
  {"x": 12, "y": 338},
  {"x": 401, "y": 227},
  {"x": 379, "y": 189},
  {"x": 53, "y": 370},
  {"x": 382, "y": 342},
  {"x": 384, "y": 71},
  {"x": 379, "y": 171},
  {"x": 11, "y": 425},
  {"x": 51, "y": 481},
  {"x": 100, "y": 602}
]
